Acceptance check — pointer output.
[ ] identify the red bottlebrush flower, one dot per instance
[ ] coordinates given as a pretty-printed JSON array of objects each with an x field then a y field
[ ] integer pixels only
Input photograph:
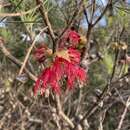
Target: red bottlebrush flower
[
  {"x": 60, "y": 68},
  {"x": 50, "y": 77},
  {"x": 42, "y": 81},
  {"x": 74, "y": 37},
  {"x": 70, "y": 72},
  {"x": 81, "y": 74},
  {"x": 65, "y": 64},
  {"x": 74, "y": 55},
  {"x": 74, "y": 72},
  {"x": 71, "y": 55},
  {"x": 41, "y": 53},
  {"x": 70, "y": 38}
]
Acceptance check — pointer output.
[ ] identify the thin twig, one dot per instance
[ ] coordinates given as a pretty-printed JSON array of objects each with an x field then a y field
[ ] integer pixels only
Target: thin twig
[
  {"x": 86, "y": 14},
  {"x": 61, "y": 113},
  {"x": 70, "y": 23},
  {"x": 29, "y": 51},
  {"x": 44, "y": 15},
  {"x": 23, "y": 22},
  {"x": 15, "y": 60},
  {"x": 5, "y": 4},
  {"x": 101, "y": 99},
  {"x": 102, "y": 14},
  {"x": 19, "y": 3},
  {"x": 120, "y": 98},
  {"x": 88, "y": 35},
  {"x": 93, "y": 11},
  {"x": 18, "y": 14},
  {"x": 124, "y": 114}
]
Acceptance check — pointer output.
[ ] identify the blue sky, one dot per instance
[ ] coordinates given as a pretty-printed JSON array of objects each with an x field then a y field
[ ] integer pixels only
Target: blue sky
[{"x": 102, "y": 22}]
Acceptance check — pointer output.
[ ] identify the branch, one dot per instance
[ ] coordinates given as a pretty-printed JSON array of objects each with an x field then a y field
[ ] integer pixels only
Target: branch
[
  {"x": 18, "y": 14},
  {"x": 93, "y": 11},
  {"x": 14, "y": 60},
  {"x": 44, "y": 15},
  {"x": 19, "y": 3},
  {"x": 70, "y": 23},
  {"x": 86, "y": 14},
  {"x": 29, "y": 51},
  {"x": 91, "y": 111},
  {"x": 124, "y": 114},
  {"x": 102, "y": 14},
  {"x": 85, "y": 54},
  {"x": 4, "y": 4},
  {"x": 61, "y": 113}
]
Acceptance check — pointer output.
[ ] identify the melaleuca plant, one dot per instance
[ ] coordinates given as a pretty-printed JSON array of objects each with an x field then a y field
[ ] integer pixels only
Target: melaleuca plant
[{"x": 63, "y": 64}]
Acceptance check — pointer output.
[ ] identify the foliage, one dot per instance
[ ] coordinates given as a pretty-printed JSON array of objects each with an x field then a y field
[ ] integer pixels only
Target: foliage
[{"x": 73, "y": 50}]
